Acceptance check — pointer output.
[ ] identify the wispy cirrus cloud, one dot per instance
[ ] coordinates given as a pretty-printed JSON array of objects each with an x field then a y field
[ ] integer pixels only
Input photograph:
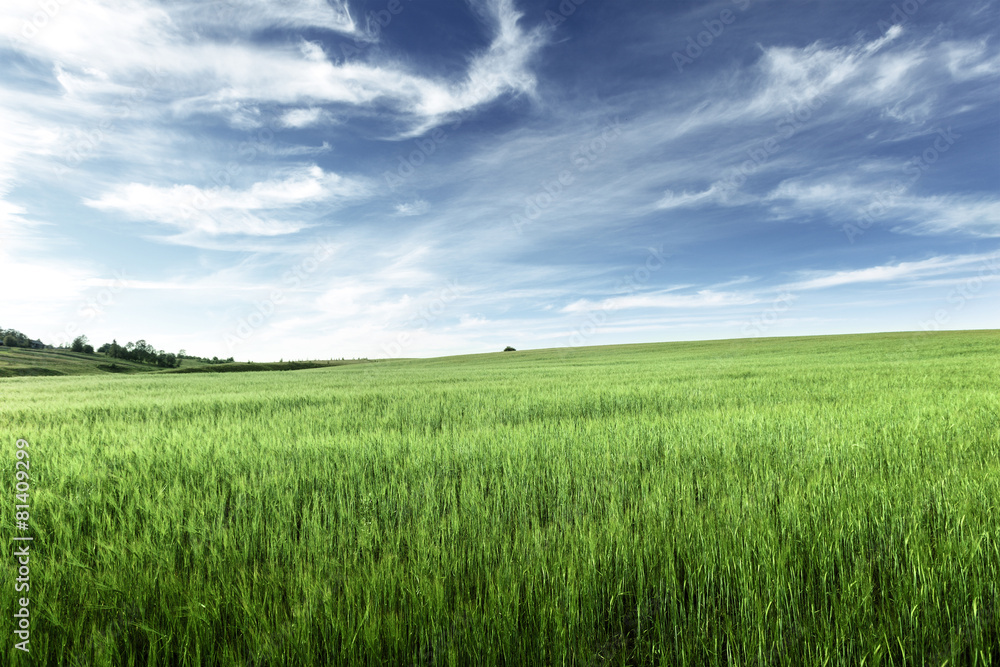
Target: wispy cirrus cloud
[
  {"x": 704, "y": 298},
  {"x": 682, "y": 298},
  {"x": 913, "y": 272},
  {"x": 418, "y": 207},
  {"x": 100, "y": 47},
  {"x": 261, "y": 210},
  {"x": 872, "y": 202}
]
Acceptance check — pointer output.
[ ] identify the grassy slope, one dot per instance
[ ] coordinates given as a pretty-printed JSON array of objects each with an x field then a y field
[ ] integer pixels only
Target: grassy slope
[
  {"x": 779, "y": 501},
  {"x": 21, "y": 362},
  {"x": 238, "y": 367},
  {"x": 15, "y": 362}
]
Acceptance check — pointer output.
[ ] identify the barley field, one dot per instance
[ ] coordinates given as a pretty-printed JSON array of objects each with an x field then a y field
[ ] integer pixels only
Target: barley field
[{"x": 798, "y": 501}]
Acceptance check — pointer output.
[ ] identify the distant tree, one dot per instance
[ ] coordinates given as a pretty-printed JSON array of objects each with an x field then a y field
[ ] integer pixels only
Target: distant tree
[
  {"x": 18, "y": 339},
  {"x": 509, "y": 349},
  {"x": 112, "y": 349},
  {"x": 166, "y": 360},
  {"x": 78, "y": 343},
  {"x": 88, "y": 349},
  {"x": 140, "y": 351}
]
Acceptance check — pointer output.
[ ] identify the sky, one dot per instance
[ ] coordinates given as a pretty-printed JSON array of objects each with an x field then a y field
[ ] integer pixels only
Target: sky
[{"x": 304, "y": 179}]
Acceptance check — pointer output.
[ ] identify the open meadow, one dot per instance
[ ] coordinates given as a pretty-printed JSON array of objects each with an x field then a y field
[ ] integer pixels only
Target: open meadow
[{"x": 798, "y": 501}]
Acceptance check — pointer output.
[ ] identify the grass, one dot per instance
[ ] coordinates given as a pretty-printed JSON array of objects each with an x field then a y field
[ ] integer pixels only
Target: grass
[
  {"x": 20, "y": 362},
  {"x": 248, "y": 367},
  {"x": 23, "y": 362},
  {"x": 801, "y": 501}
]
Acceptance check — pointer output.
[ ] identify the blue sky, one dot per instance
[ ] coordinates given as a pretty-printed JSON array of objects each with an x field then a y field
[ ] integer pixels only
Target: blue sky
[{"x": 394, "y": 178}]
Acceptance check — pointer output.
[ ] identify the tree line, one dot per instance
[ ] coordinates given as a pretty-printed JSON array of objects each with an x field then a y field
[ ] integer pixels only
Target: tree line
[
  {"x": 14, "y": 338},
  {"x": 139, "y": 351}
]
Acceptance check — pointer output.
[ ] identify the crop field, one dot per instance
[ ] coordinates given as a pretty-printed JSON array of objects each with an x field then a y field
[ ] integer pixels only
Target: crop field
[{"x": 798, "y": 501}]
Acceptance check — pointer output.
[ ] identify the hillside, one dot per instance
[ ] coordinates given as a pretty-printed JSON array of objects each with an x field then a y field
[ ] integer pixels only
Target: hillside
[
  {"x": 19, "y": 361},
  {"x": 246, "y": 367},
  {"x": 23, "y": 362}
]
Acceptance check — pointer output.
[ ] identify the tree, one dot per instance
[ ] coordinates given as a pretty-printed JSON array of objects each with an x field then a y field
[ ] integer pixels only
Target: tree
[
  {"x": 16, "y": 338},
  {"x": 166, "y": 360},
  {"x": 78, "y": 344},
  {"x": 88, "y": 349},
  {"x": 140, "y": 351},
  {"x": 509, "y": 349},
  {"x": 114, "y": 349}
]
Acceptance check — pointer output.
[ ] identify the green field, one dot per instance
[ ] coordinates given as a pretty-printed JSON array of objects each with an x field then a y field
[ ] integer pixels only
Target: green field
[
  {"x": 23, "y": 362},
  {"x": 797, "y": 501}
]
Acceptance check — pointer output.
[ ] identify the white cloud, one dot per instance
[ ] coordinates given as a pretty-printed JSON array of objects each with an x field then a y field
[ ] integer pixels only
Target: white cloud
[
  {"x": 123, "y": 41},
  {"x": 971, "y": 60},
  {"x": 262, "y": 209},
  {"x": 879, "y": 201},
  {"x": 418, "y": 207},
  {"x": 299, "y": 118},
  {"x": 701, "y": 299},
  {"x": 672, "y": 200},
  {"x": 907, "y": 271}
]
